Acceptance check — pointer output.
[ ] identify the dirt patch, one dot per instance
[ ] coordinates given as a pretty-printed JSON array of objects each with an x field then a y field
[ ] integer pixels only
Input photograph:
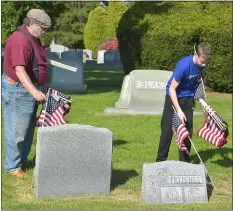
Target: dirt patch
[
  {"x": 225, "y": 189},
  {"x": 219, "y": 94},
  {"x": 123, "y": 194}
]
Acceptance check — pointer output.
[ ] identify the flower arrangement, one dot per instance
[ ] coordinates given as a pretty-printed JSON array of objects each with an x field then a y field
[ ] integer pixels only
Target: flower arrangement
[{"x": 109, "y": 45}]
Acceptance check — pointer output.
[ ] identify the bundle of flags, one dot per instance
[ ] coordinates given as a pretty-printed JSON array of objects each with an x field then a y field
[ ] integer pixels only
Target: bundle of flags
[
  {"x": 199, "y": 90},
  {"x": 214, "y": 129},
  {"x": 180, "y": 132},
  {"x": 54, "y": 109}
]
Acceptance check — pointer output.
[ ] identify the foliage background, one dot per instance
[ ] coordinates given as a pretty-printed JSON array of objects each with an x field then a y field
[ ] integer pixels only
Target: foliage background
[
  {"x": 151, "y": 35},
  {"x": 156, "y": 35}
]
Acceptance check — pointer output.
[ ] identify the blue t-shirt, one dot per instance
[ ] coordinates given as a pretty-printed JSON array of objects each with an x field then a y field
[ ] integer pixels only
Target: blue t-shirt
[{"x": 188, "y": 74}]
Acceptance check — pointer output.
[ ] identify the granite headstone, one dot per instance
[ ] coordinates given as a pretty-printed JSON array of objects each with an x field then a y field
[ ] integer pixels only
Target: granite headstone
[
  {"x": 100, "y": 57},
  {"x": 2, "y": 60},
  {"x": 87, "y": 54},
  {"x": 64, "y": 80},
  {"x": 57, "y": 48},
  {"x": 143, "y": 92},
  {"x": 112, "y": 57},
  {"x": 72, "y": 160},
  {"x": 173, "y": 182},
  {"x": 148, "y": 89}
]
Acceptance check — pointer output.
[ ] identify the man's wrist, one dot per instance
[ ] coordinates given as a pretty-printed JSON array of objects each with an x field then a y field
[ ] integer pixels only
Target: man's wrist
[{"x": 33, "y": 92}]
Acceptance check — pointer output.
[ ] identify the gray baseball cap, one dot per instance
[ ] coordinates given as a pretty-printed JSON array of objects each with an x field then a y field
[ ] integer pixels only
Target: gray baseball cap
[{"x": 40, "y": 17}]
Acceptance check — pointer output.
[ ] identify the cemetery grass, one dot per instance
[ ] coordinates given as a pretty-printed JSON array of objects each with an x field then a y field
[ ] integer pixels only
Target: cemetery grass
[{"x": 135, "y": 143}]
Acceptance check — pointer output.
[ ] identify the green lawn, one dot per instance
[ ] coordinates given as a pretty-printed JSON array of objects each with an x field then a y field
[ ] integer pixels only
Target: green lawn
[{"x": 135, "y": 143}]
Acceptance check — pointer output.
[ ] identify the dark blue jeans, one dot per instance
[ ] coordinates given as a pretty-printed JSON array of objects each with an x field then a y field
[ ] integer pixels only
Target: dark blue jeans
[{"x": 19, "y": 109}]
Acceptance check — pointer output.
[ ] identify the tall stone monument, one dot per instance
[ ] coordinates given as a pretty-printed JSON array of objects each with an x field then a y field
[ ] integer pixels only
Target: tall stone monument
[{"x": 142, "y": 92}]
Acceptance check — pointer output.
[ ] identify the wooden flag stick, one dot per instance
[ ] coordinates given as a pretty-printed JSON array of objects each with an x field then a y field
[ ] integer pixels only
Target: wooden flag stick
[{"x": 61, "y": 65}]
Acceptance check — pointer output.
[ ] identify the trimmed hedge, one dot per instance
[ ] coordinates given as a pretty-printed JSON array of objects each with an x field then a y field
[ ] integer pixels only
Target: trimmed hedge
[
  {"x": 102, "y": 24},
  {"x": 155, "y": 35}
]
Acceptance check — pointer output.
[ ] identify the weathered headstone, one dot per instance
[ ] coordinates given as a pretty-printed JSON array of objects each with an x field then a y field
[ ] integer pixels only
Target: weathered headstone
[
  {"x": 148, "y": 89},
  {"x": 109, "y": 58},
  {"x": 2, "y": 52},
  {"x": 53, "y": 55},
  {"x": 87, "y": 54},
  {"x": 143, "y": 92},
  {"x": 72, "y": 55},
  {"x": 118, "y": 57},
  {"x": 100, "y": 57},
  {"x": 125, "y": 93},
  {"x": 57, "y": 48},
  {"x": 64, "y": 80},
  {"x": 173, "y": 182},
  {"x": 112, "y": 57},
  {"x": 72, "y": 160},
  {"x": 2, "y": 60}
]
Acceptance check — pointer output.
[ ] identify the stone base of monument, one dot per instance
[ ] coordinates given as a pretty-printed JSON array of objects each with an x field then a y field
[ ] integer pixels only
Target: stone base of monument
[
  {"x": 173, "y": 182},
  {"x": 72, "y": 160},
  {"x": 131, "y": 111}
]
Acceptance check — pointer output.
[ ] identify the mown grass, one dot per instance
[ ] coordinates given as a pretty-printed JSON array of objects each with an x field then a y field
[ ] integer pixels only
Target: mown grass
[{"x": 136, "y": 140}]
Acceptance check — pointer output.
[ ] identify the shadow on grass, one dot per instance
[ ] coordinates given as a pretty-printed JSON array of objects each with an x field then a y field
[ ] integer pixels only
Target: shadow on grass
[
  {"x": 120, "y": 177},
  {"x": 110, "y": 79},
  {"x": 224, "y": 161},
  {"x": 101, "y": 81},
  {"x": 119, "y": 142}
]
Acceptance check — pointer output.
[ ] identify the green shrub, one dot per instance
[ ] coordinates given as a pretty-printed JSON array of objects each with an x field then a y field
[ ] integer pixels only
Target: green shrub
[
  {"x": 155, "y": 35},
  {"x": 102, "y": 24}
]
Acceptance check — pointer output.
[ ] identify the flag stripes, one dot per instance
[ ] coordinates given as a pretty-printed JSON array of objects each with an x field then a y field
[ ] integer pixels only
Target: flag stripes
[
  {"x": 53, "y": 111},
  {"x": 180, "y": 132},
  {"x": 210, "y": 132}
]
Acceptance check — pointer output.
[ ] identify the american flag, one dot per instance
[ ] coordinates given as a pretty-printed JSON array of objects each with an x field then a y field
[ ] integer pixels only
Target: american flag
[
  {"x": 53, "y": 110},
  {"x": 200, "y": 90},
  {"x": 211, "y": 131},
  {"x": 180, "y": 132}
]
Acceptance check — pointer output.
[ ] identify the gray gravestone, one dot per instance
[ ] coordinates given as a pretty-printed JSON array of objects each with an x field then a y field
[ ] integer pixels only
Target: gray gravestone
[
  {"x": 53, "y": 55},
  {"x": 2, "y": 60},
  {"x": 109, "y": 58},
  {"x": 2, "y": 52},
  {"x": 87, "y": 54},
  {"x": 173, "y": 182},
  {"x": 100, "y": 57},
  {"x": 125, "y": 93},
  {"x": 112, "y": 57},
  {"x": 64, "y": 80},
  {"x": 118, "y": 57},
  {"x": 72, "y": 160},
  {"x": 57, "y": 48},
  {"x": 148, "y": 89},
  {"x": 72, "y": 55},
  {"x": 143, "y": 92}
]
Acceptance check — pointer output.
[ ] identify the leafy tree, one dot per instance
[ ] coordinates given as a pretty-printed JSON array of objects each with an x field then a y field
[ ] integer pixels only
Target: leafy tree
[
  {"x": 102, "y": 24},
  {"x": 13, "y": 13},
  {"x": 155, "y": 35},
  {"x": 70, "y": 24}
]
